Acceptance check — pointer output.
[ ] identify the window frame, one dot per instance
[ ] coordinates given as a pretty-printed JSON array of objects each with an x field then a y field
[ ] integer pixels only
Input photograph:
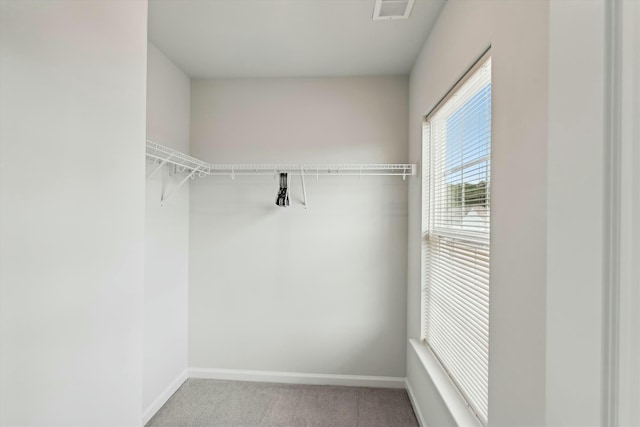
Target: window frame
[{"x": 427, "y": 206}]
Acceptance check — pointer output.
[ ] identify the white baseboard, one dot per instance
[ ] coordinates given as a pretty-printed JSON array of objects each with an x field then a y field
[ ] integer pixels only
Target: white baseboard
[
  {"x": 297, "y": 378},
  {"x": 164, "y": 396},
  {"x": 416, "y": 408}
]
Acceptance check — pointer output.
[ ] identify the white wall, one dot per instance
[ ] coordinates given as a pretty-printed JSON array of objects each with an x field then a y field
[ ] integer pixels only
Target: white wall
[
  {"x": 581, "y": 133},
  {"x": 518, "y": 33},
  {"x": 317, "y": 291},
  {"x": 575, "y": 213},
  {"x": 72, "y": 108},
  {"x": 166, "y": 235},
  {"x": 546, "y": 347},
  {"x": 630, "y": 220}
]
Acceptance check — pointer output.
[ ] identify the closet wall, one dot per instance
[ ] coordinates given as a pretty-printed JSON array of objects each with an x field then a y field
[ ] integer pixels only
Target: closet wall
[
  {"x": 549, "y": 107},
  {"x": 72, "y": 79},
  {"x": 518, "y": 33},
  {"x": 287, "y": 289},
  {"x": 166, "y": 236}
]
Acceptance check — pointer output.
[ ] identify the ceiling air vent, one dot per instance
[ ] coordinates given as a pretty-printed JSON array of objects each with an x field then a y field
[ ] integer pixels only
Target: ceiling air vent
[{"x": 392, "y": 9}]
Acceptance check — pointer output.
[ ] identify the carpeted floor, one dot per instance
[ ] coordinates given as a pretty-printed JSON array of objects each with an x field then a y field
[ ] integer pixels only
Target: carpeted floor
[{"x": 213, "y": 403}]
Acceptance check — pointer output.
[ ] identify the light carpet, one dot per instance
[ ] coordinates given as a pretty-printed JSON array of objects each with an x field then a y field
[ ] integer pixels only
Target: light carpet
[{"x": 213, "y": 403}]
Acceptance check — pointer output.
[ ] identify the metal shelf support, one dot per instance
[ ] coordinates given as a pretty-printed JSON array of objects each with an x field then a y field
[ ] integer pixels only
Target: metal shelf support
[
  {"x": 304, "y": 188},
  {"x": 164, "y": 197}
]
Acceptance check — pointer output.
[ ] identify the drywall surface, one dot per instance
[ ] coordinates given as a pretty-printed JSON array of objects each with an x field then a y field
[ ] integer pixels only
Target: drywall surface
[
  {"x": 72, "y": 108},
  {"x": 575, "y": 235},
  {"x": 517, "y": 32},
  {"x": 166, "y": 232},
  {"x": 629, "y": 410},
  {"x": 287, "y": 289}
]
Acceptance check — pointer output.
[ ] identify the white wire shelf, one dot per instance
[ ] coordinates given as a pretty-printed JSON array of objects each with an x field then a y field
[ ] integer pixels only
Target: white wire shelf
[
  {"x": 164, "y": 155},
  {"x": 313, "y": 169},
  {"x": 161, "y": 156}
]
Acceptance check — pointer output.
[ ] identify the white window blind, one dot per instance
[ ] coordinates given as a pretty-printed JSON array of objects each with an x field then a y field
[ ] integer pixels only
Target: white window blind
[{"x": 456, "y": 232}]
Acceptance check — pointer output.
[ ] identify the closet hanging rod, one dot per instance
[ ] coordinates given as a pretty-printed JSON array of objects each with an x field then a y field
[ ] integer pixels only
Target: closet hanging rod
[{"x": 161, "y": 154}]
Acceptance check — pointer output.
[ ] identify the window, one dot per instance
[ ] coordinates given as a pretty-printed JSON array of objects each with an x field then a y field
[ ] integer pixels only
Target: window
[{"x": 456, "y": 233}]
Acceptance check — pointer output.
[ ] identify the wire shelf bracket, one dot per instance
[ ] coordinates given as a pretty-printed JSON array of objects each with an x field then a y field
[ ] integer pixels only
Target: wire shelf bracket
[{"x": 304, "y": 189}]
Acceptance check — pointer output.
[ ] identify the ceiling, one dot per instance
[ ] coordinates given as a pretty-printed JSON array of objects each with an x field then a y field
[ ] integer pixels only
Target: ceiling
[{"x": 287, "y": 38}]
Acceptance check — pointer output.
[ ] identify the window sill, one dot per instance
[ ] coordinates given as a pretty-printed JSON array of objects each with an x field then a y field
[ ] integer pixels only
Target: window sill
[{"x": 455, "y": 403}]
